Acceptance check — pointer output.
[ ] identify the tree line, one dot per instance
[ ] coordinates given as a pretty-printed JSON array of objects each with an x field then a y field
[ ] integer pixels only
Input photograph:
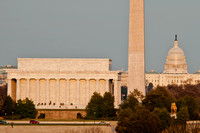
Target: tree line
[
  {"x": 18, "y": 110},
  {"x": 152, "y": 114}
]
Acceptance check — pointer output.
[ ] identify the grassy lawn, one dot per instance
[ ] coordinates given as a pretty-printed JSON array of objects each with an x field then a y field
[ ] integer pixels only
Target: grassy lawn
[
  {"x": 61, "y": 110},
  {"x": 79, "y": 120},
  {"x": 50, "y": 124},
  {"x": 62, "y": 124}
]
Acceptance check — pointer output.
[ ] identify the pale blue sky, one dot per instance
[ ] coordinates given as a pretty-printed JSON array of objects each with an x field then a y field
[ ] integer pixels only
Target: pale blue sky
[{"x": 96, "y": 29}]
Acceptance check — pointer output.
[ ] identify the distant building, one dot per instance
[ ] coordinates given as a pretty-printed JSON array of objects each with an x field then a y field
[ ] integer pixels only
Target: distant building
[
  {"x": 62, "y": 83},
  {"x": 3, "y": 73},
  {"x": 175, "y": 71}
]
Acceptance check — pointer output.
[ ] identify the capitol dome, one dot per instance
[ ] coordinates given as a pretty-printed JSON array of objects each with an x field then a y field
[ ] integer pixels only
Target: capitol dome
[
  {"x": 175, "y": 61},
  {"x": 176, "y": 51}
]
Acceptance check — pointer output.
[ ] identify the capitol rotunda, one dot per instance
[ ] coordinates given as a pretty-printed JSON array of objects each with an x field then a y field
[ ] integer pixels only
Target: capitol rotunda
[
  {"x": 175, "y": 61},
  {"x": 175, "y": 71}
]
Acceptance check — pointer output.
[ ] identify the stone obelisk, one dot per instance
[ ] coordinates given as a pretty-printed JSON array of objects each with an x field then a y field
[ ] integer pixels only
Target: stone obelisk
[{"x": 136, "y": 57}]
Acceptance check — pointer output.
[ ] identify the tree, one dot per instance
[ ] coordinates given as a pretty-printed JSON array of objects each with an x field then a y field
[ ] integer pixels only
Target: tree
[
  {"x": 182, "y": 116},
  {"x": 164, "y": 116},
  {"x": 134, "y": 118},
  {"x": 139, "y": 121},
  {"x": 131, "y": 102},
  {"x": 138, "y": 95},
  {"x": 183, "y": 90},
  {"x": 108, "y": 109},
  {"x": 191, "y": 104},
  {"x": 101, "y": 107},
  {"x": 158, "y": 98},
  {"x": 3, "y": 94},
  {"x": 8, "y": 106},
  {"x": 180, "y": 103},
  {"x": 26, "y": 108},
  {"x": 94, "y": 107}
]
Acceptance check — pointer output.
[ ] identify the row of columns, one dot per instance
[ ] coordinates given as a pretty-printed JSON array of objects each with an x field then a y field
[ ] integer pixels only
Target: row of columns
[{"x": 67, "y": 91}]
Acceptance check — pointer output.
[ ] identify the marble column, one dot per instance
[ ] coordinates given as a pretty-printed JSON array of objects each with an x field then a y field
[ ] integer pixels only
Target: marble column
[
  {"x": 47, "y": 92},
  {"x": 77, "y": 91},
  {"x": 119, "y": 92},
  {"x": 58, "y": 92},
  {"x": 87, "y": 95},
  {"x": 27, "y": 87},
  {"x": 18, "y": 92},
  {"x": 37, "y": 91},
  {"x": 107, "y": 85},
  {"x": 116, "y": 93},
  {"x": 67, "y": 92},
  {"x": 9, "y": 91},
  {"x": 97, "y": 85}
]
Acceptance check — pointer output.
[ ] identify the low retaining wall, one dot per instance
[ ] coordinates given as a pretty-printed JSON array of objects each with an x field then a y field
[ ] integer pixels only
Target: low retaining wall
[
  {"x": 193, "y": 126},
  {"x": 61, "y": 114}
]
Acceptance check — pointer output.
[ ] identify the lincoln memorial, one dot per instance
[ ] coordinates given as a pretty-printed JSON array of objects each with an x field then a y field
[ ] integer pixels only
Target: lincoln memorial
[{"x": 62, "y": 83}]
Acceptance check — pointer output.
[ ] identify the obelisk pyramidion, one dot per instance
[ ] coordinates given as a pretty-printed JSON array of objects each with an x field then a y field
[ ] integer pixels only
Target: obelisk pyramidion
[{"x": 136, "y": 57}]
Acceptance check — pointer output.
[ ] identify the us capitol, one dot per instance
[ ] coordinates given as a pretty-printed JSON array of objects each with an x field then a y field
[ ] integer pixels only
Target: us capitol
[{"x": 175, "y": 70}]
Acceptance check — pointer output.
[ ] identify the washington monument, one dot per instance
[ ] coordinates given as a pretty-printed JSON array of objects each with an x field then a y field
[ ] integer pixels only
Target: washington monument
[{"x": 136, "y": 59}]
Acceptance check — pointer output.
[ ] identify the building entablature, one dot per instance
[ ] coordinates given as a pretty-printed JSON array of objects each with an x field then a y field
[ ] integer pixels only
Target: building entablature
[
  {"x": 35, "y": 75},
  {"x": 63, "y": 64}
]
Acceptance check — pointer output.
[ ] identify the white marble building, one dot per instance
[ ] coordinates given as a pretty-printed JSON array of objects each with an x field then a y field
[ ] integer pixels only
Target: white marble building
[
  {"x": 54, "y": 83},
  {"x": 175, "y": 71}
]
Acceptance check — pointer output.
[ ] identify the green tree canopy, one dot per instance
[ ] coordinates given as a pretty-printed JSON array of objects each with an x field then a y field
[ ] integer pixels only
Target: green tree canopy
[
  {"x": 158, "y": 98},
  {"x": 191, "y": 104},
  {"x": 94, "y": 107},
  {"x": 139, "y": 121},
  {"x": 138, "y": 95},
  {"x": 108, "y": 109},
  {"x": 182, "y": 116},
  {"x": 131, "y": 102},
  {"x": 8, "y": 106},
  {"x": 101, "y": 107},
  {"x": 164, "y": 116},
  {"x": 26, "y": 108}
]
